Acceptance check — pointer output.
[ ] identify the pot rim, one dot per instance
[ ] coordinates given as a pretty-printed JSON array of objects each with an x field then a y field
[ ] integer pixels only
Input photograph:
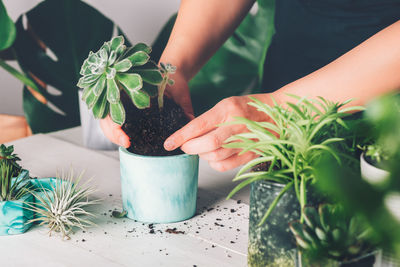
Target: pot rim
[
  {"x": 362, "y": 159},
  {"x": 125, "y": 151}
]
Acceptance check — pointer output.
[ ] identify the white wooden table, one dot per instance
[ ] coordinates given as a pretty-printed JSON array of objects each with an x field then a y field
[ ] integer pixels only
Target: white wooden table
[{"x": 216, "y": 236}]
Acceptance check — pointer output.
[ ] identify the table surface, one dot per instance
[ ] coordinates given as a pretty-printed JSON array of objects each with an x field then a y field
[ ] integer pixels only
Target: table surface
[{"x": 216, "y": 236}]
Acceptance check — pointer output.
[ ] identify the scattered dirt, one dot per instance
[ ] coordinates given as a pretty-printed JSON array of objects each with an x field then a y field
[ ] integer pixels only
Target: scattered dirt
[
  {"x": 149, "y": 128},
  {"x": 174, "y": 231}
]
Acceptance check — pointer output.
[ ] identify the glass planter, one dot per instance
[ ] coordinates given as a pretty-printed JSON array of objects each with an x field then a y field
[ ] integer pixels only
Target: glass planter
[{"x": 272, "y": 243}]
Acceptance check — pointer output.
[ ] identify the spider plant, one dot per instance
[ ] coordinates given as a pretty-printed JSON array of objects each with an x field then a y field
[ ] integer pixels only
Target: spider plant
[
  {"x": 11, "y": 188},
  {"x": 291, "y": 143},
  {"x": 62, "y": 208}
]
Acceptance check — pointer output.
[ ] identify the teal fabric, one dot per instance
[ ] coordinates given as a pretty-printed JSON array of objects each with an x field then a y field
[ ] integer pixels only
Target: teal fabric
[
  {"x": 311, "y": 33},
  {"x": 159, "y": 189}
]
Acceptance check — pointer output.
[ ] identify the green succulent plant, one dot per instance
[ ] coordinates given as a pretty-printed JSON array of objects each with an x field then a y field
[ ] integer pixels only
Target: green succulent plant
[
  {"x": 291, "y": 143},
  {"x": 6, "y": 155},
  {"x": 330, "y": 233},
  {"x": 115, "y": 68}
]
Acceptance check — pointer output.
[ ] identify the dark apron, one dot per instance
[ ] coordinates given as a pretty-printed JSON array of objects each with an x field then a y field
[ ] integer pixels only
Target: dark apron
[{"x": 311, "y": 33}]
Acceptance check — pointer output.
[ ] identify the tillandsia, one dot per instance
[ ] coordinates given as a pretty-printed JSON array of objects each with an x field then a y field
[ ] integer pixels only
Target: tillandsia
[
  {"x": 116, "y": 69},
  {"x": 291, "y": 143},
  {"x": 11, "y": 188},
  {"x": 6, "y": 155},
  {"x": 331, "y": 233},
  {"x": 63, "y": 207}
]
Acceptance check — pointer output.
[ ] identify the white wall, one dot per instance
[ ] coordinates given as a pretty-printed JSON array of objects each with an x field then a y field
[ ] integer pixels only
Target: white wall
[{"x": 141, "y": 21}]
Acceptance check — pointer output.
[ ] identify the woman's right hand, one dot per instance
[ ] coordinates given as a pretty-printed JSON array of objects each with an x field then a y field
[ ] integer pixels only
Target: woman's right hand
[{"x": 179, "y": 92}]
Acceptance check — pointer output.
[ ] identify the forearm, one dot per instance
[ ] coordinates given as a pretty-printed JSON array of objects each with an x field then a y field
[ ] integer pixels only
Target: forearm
[
  {"x": 200, "y": 29},
  {"x": 365, "y": 72}
]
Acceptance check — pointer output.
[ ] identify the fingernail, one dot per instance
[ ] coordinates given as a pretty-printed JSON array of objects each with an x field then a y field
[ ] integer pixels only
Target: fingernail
[
  {"x": 123, "y": 142},
  {"x": 169, "y": 144}
]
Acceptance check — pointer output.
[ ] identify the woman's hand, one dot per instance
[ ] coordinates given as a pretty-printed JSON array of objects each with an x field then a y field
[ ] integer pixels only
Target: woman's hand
[
  {"x": 179, "y": 92},
  {"x": 202, "y": 135}
]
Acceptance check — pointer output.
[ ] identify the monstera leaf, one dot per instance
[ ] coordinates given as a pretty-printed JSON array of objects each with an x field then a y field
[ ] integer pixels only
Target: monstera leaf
[
  {"x": 52, "y": 42},
  {"x": 237, "y": 66},
  {"x": 7, "y": 28}
]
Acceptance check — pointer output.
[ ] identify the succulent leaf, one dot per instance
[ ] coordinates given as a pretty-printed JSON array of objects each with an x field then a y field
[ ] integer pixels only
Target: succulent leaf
[
  {"x": 99, "y": 86},
  {"x": 100, "y": 106},
  {"x": 123, "y": 65},
  {"x": 151, "y": 76},
  {"x": 113, "y": 94},
  {"x": 139, "y": 58},
  {"x": 141, "y": 99},
  {"x": 117, "y": 113},
  {"x": 91, "y": 100},
  {"x": 131, "y": 81}
]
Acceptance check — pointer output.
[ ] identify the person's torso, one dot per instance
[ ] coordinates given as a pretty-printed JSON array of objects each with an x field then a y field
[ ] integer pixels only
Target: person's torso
[{"x": 311, "y": 33}]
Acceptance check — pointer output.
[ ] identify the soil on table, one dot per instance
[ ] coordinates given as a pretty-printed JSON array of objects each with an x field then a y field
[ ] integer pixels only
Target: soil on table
[{"x": 148, "y": 128}]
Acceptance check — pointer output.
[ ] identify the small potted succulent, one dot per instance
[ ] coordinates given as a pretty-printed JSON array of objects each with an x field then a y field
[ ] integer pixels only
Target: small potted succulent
[
  {"x": 288, "y": 147},
  {"x": 14, "y": 193},
  {"x": 374, "y": 164},
  {"x": 330, "y": 237},
  {"x": 157, "y": 185}
]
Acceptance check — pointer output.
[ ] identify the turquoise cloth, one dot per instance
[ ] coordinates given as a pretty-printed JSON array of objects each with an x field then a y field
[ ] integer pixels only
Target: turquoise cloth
[{"x": 311, "y": 33}]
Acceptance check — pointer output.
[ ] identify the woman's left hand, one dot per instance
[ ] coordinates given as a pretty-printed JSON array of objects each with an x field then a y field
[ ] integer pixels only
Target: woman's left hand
[{"x": 202, "y": 136}]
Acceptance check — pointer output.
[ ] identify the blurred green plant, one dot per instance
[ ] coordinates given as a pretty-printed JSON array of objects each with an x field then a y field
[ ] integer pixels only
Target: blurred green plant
[
  {"x": 292, "y": 143},
  {"x": 330, "y": 233},
  {"x": 378, "y": 206},
  {"x": 7, "y": 155}
]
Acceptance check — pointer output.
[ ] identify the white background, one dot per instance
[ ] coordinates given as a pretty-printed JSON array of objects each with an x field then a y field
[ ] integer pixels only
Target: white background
[{"x": 141, "y": 20}]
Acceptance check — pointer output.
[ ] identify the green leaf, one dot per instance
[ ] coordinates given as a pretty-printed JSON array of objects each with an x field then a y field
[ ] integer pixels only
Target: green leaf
[
  {"x": 136, "y": 48},
  {"x": 140, "y": 99},
  {"x": 151, "y": 76},
  {"x": 117, "y": 113},
  {"x": 100, "y": 107},
  {"x": 131, "y": 81},
  {"x": 7, "y": 28},
  {"x": 116, "y": 42},
  {"x": 123, "y": 65},
  {"x": 139, "y": 58},
  {"x": 99, "y": 86},
  {"x": 113, "y": 94},
  {"x": 91, "y": 99},
  {"x": 70, "y": 29}
]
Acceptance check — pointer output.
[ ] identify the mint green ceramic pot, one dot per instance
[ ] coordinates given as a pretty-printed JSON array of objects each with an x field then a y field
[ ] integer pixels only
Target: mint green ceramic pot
[
  {"x": 159, "y": 189},
  {"x": 14, "y": 215}
]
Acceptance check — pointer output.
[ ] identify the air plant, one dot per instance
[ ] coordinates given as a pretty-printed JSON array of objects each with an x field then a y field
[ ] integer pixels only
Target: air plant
[
  {"x": 11, "y": 188},
  {"x": 291, "y": 143},
  {"x": 6, "y": 155},
  {"x": 115, "y": 69},
  {"x": 63, "y": 207}
]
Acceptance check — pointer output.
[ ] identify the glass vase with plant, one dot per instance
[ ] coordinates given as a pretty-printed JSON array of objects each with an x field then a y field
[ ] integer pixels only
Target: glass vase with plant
[{"x": 289, "y": 146}]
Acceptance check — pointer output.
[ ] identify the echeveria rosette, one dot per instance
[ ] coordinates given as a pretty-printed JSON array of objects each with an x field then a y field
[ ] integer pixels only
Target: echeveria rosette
[{"x": 114, "y": 68}]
